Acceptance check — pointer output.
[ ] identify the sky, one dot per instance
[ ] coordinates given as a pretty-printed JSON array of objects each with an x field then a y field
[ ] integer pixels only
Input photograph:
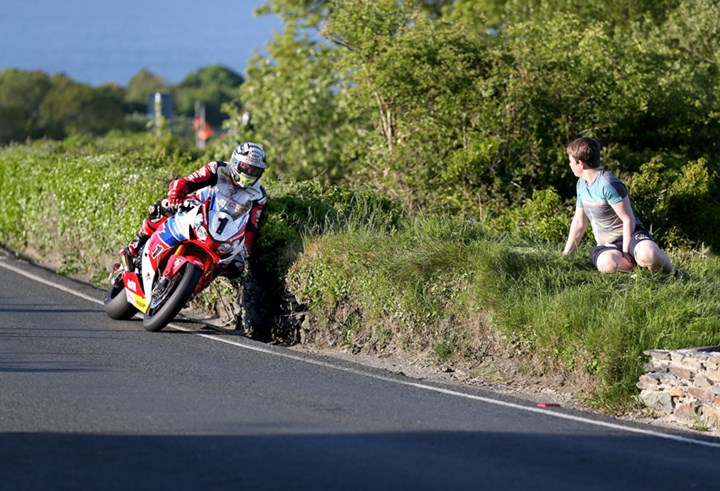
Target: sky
[{"x": 99, "y": 41}]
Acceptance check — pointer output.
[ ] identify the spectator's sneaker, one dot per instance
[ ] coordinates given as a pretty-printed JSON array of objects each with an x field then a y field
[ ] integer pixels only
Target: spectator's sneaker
[{"x": 679, "y": 273}]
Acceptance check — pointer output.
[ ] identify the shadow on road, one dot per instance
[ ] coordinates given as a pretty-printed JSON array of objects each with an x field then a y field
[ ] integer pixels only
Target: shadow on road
[{"x": 412, "y": 461}]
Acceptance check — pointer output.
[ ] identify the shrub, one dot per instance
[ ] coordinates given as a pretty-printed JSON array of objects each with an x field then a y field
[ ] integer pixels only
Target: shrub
[
  {"x": 680, "y": 206},
  {"x": 544, "y": 217}
]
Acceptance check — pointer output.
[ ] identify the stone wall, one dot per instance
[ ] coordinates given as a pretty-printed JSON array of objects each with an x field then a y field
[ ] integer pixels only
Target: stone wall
[{"x": 683, "y": 384}]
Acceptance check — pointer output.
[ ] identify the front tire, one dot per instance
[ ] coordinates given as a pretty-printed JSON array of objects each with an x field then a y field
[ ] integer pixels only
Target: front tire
[
  {"x": 116, "y": 304},
  {"x": 156, "y": 319}
]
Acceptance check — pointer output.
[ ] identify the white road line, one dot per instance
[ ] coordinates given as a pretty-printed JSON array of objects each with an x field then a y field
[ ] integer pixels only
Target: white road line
[
  {"x": 417, "y": 385},
  {"x": 46, "y": 282}
]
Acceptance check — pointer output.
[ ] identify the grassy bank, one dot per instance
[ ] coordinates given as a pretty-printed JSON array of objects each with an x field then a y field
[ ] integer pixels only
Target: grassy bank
[
  {"x": 468, "y": 298},
  {"x": 500, "y": 305}
]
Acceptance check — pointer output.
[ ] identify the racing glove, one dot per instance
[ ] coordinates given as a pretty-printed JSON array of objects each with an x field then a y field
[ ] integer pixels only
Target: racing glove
[{"x": 178, "y": 191}]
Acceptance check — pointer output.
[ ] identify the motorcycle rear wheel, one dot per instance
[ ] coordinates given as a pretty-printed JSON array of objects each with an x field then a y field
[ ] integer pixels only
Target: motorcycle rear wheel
[
  {"x": 116, "y": 304},
  {"x": 156, "y": 319}
]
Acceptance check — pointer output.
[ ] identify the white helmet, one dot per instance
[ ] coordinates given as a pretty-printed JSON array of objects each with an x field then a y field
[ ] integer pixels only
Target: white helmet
[{"x": 247, "y": 164}]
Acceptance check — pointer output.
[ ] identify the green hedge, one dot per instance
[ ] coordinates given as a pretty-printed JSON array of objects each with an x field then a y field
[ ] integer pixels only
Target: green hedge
[{"x": 78, "y": 203}]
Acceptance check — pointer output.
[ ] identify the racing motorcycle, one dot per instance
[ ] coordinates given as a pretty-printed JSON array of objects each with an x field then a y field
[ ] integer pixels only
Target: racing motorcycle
[{"x": 182, "y": 257}]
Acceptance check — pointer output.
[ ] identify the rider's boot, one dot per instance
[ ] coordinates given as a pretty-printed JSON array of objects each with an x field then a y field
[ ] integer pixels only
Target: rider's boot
[
  {"x": 133, "y": 248},
  {"x": 146, "y": 230},
  {"x": 130, "y": 253}
]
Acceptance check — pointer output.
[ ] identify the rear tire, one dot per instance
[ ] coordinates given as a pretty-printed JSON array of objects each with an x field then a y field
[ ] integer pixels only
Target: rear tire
[
  {"x": 183, "y": 290},
  {"x": 116, "y": 304}
]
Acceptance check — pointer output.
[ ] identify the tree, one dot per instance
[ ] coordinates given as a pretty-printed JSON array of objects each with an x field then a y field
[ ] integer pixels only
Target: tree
[
  {"x": 70, "y": 107},
  {"x": 213, "y": 76},
  {"x": 297, "y": 114},
  {"x": 479, "y": 97},
  {"x": 140, "y": 87},
  {"x": 618, "y": 13},
  {"x": 683, "y": 57},
  {"x": 425, "y": 79},
  {"x": 213, "y": 86},
  {"x": 21, "y": 94}
]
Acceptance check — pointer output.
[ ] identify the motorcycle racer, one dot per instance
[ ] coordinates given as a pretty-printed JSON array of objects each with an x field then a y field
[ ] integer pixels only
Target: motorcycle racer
[{"x": 240, "y": 177}]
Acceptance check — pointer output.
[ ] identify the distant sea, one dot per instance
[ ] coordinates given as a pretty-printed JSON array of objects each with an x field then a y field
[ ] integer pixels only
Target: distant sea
[{"x": 99, "y": 41}]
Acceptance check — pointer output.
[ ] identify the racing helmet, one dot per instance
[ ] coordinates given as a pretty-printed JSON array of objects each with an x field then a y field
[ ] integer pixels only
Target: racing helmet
[{"x": 247, "y": 164}]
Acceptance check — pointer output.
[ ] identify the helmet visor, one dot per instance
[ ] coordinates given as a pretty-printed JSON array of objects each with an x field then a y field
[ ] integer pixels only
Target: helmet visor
[
  {"x": 250, "y": 170},
  {"x": 244, "y": 174}
]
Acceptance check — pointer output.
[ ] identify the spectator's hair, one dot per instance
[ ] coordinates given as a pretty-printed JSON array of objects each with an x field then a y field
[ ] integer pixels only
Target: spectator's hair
[{"x": 586, "y": 149}]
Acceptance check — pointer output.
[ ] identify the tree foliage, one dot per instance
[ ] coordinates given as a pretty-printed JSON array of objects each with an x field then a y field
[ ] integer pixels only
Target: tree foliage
[
  {"x": 33, "y": 105},
  {"x": 141, "y": 86},
  {"x": 464, "y": 105},
  {"x": 212, "y": 86},
  {"x": 21, "y": 94},
  {"x": 296, "y": 112},
  {"x": 73, "y": 108}
]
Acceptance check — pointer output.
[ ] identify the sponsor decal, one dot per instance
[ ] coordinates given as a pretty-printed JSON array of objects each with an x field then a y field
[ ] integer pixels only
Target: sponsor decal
[
  {"x": 158, "y": 250},
  {"x": 140, "y": 303},
  {"x": 169, "y": 234},
  {"x": 132, "y": 286}
]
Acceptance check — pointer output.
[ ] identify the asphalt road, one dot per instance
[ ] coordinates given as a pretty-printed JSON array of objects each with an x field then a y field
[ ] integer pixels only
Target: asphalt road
[{"x": 91, "y": 403}]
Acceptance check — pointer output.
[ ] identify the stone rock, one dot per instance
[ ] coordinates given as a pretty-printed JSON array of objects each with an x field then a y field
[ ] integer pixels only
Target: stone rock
[
  {"x": 657, "y": 353},
  {"x": 657, "y": 366},
  {"x": 677, "y": 357},
  {"x": 709, "y": 350},
  {"x": 701, "y": 394},
  {"x": 713, "y": 376},
  {"x": 681, "y": 372},
  {"x": 691, "y": 363},
  {"x": 683, "y": 383},
  {"x": 650, "y": 379},
  {"x": 702, "y": 381},
  {"x": 710, "y": 415},
  {"x": 657, "y": 401},
  {"x": 676, "y": 391},
  {"x": 686, "y": 412},
  {"x": 669, "y": 380}
]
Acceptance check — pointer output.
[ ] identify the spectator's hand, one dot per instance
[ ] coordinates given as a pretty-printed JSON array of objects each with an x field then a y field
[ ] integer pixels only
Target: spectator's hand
[{"x": 630, "y": 259}]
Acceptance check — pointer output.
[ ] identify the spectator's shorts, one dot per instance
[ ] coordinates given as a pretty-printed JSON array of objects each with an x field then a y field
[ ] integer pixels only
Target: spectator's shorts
[{"x": 640, "y": 234}]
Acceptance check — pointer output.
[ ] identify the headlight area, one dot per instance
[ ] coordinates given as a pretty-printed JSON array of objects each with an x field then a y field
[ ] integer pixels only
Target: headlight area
[
  {"x": 228, "y": 247},
  {"x": 200, "y": 229}
]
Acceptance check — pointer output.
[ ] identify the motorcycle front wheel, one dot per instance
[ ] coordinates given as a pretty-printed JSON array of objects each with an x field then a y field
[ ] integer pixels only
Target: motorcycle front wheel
[
  {"x": 173, "y": 298},
  {"x": 116, "y": 304}
]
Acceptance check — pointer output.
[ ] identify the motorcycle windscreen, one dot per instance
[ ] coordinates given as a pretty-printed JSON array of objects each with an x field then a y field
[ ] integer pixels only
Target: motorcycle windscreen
[{"x": 227, "y": 216}]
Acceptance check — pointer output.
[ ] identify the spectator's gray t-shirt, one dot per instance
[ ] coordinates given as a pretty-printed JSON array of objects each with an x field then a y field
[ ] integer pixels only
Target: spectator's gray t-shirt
[{"x": 596, "y": 200}]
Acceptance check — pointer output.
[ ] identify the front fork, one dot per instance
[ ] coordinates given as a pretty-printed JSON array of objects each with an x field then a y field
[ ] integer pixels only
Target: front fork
[{"x": 207, "y": 267}]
